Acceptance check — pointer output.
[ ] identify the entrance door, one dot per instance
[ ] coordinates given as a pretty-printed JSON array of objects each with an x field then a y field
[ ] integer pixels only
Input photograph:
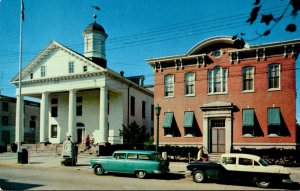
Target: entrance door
[
  {"x": 79, "y": 135},
  {"x": 217, "y": 138},
  {"x": 6, "y": 137}
]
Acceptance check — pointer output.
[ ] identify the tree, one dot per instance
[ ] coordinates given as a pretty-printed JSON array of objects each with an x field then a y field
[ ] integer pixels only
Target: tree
[
  {"x": 133, "y": 134},
  {"x": 266, "y": 19}
]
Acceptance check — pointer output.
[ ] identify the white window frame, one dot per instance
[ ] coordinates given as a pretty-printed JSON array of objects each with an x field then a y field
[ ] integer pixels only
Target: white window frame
[
  {"x": 189, "y": 80},
  {"x": 71, "y": 67},
  {"x": 269, "y": 76},
  {"x": 223, "y": 80},
  {"x": 43, "y": 71},
  {"x": 248, "y": 76},
  {"x": 169, "y": 85}
]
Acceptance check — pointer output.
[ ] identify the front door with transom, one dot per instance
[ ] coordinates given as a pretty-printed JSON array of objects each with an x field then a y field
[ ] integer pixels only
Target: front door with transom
[{"x": 217, "y": 136}]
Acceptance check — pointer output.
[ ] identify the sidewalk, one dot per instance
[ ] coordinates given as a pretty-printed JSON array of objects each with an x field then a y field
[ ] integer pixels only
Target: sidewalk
[{"x": 51, "y": 160}]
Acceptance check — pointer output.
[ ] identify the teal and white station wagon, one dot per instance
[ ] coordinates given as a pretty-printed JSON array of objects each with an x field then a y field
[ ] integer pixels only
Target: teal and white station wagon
[{"x": 138, "y": 162}]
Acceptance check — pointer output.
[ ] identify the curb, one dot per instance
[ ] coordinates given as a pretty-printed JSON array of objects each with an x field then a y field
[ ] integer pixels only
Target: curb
[{"x": 11, "y": 164}]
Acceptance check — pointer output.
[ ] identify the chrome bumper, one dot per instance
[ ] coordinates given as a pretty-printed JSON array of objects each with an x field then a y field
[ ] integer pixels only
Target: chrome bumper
[{"x": 287, "y": 181}]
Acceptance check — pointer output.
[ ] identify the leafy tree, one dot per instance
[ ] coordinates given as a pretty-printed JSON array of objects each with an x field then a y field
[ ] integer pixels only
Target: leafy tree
[
  {"x": 133, "y": 134},
  {"x": 267, "y": 19}
]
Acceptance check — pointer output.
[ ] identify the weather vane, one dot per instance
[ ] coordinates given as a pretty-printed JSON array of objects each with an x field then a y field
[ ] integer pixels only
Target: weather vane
[{"x": 96, "y": 8}]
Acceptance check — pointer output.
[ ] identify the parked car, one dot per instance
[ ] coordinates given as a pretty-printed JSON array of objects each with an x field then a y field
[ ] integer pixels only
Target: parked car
[
  {"x": 138, "y": 162},
  {"x": 241, "y": 167}
]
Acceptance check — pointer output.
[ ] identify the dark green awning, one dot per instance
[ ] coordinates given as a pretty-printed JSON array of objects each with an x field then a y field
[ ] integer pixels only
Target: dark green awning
[
  {"x": 188, "y": 119},
  {"x": 248, "y": 117},
  {"x": 274, "y": 117},
  {"x": 168, "y": 119}
]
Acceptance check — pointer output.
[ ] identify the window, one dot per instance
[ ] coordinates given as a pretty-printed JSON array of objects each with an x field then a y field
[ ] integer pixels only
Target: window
[
  {"x": 132, "y": 156},
  {"x": 216, "y": 53},
  {"x": 274, "y": 76},
  {"x": 79, "y": 110},
  {"x": 152, "y": 112},
  {"x": 229, "y": 160},
  {"x": 248, "y": 122},
  {"x": 188, "y": 123},
  {"x": 85, "y": 68},
  {"x": 54, "y": 107},
  {"x": 43, "y": 71},
  {"x": 120, "y": 155},
  {"x": 169, "y": 85},
  {"x": 31, "y": 75},
  {"x": 143, "y": 109},
  {"x": 245, "y": 161},
  {"x": 71, "y": 67},
  {"x": 189, "y": 79},
  {"x": 78, "y": 106},
  {"x": 274, "y": 121},
  {"x": 4, "y": 106},
  {"x": 54, "y": 101},
  {"x": 248, "y": 79},
  {"x": 54, "y": 111},
  {"x": 4, "y": 120},
  {"x": 53, "y": 131},
  {"x": 132, "y": 106},
  {"x": 217, "y": 80}
]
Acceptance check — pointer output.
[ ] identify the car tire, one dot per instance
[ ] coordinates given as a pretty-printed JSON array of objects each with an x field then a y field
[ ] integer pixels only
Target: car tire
[
  {"x": 262, "y": 184},
  {"x": 98, "y": 170},
  {"x": 140, "y": 174},
  {"x": 199, "y": 176}
]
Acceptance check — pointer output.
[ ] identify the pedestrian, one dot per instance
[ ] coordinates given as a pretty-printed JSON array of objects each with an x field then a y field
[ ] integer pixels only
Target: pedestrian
[
  {"x": 87, "y": 142},
  {"x": 202, "y": 156},
  {"x": 92, "y": 140}
]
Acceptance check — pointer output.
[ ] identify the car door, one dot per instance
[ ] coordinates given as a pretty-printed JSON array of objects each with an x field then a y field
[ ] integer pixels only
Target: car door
[
  {"x": 245, "y": 170},
  {"x": 230, "y": 167},
  {"x": 132, "y": 162},
  {"x": 117, "y": 164}
]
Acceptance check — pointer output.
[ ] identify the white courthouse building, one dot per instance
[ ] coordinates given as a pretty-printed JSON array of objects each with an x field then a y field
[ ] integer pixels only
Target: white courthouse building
[{"x": 79, "y": 95}]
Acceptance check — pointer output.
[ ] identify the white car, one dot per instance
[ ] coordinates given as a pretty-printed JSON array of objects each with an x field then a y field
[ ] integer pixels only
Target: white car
[{"x": 241, "y": 167}]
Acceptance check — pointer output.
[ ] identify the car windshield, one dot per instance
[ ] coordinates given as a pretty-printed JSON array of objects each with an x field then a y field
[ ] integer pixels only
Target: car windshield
[
  {"x": 263, "y": 162},
  {"x": 157, "y": 156}
]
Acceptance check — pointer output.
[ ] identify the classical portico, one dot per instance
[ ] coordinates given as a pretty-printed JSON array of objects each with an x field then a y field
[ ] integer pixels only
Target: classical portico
[{"x": 80, "y": 96}]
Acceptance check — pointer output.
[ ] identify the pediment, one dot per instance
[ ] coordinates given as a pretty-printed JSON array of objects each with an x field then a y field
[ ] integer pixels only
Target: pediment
[{"x": 56, "y": 57}]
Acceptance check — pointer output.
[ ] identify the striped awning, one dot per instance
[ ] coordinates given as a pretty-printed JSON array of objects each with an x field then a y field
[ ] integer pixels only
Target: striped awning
[
  {"x": 274, "y": 117},
  {"x": 168, "y": 119},
  {"x": 248, "y": 117},
  {"x": 188, "y": 119}
]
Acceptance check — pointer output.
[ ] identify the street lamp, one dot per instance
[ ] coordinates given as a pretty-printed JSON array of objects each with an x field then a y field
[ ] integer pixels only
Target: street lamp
[{"x": 157, "y": 112}]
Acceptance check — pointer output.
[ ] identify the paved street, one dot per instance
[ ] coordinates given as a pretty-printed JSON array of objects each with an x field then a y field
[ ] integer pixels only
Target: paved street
[{"x": 45, "y": 173}]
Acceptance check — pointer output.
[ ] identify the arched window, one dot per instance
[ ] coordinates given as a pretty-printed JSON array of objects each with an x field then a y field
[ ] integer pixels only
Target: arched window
[{"x": 217, "y": 80}]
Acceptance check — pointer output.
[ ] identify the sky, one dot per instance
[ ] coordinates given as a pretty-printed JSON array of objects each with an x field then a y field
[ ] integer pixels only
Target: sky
[{"x": 137, "y": 30}]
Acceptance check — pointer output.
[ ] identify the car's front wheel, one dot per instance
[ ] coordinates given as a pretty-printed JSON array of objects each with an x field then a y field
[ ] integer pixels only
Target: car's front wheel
[
  {"x": 199, "y": 176},
  {"x": 263, "y": 184},
  {"x": 98, "y": 170},
  {"x": 140, "y": 174}
]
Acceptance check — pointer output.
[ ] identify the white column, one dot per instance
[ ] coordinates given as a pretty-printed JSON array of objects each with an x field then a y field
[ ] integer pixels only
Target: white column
[
  {"x": 228, "y": 134},
  {"x": 103, "y": 116},
  {"x": 205, "y": 138},
  {"x": 44, "y": 117},
  {"x": 71, "y": 117},
  {"x": 19, "y": 131}
]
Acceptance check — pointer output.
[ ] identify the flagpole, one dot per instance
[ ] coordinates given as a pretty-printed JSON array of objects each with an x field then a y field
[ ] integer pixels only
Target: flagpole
[{"x": 19, "y": 128}]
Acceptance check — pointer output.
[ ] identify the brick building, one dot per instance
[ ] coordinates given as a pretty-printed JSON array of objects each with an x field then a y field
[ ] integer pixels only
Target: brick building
[{"x": 225, "y": 94}]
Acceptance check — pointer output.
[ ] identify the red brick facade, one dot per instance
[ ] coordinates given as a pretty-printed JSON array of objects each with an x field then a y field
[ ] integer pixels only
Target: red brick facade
[{"x": 218, "y": 117}]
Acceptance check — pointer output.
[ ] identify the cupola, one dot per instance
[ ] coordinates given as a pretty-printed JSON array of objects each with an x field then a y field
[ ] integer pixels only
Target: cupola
[{"x": 94, "y": 43}]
